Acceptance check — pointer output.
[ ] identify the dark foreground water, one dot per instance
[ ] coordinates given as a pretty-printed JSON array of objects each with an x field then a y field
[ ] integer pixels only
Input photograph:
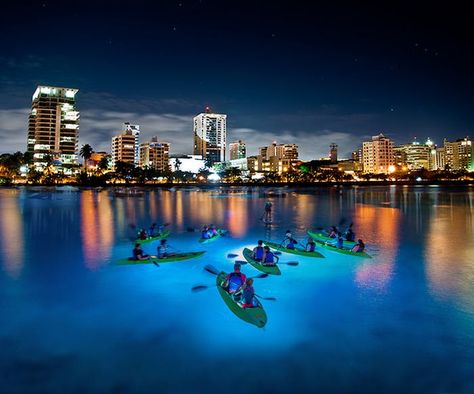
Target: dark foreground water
[{"x": 71, "y": 321}]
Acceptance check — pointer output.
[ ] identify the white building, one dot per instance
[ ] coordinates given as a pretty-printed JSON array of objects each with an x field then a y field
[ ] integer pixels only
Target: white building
[
  {"x": 210, "y": 136},
  {"x": 189, "y": 163},
  {"x": 377, "y": 155}
]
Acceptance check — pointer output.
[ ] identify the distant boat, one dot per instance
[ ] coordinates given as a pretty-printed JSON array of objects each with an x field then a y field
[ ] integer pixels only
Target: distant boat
[{"x": 128, "y": 193}]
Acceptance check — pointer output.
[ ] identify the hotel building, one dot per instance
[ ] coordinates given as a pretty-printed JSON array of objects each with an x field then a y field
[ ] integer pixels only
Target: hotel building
[
  {"x": 377, "y": 155},
  {"x": 53, "y": 127},
  {"x": 155, "y": 154},
  {"x": 210, "y": 136},
  {"x": 237, "y": 150}
]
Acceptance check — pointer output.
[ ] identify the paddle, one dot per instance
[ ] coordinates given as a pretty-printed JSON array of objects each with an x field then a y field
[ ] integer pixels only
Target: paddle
[
  {"x": 241, "y": 262},
  {"x": 231, "y": 255},
  {"x": 156, "y": 264},
  {"x": 265, "y": 298},
  {"x": 211, "y": 269},
  {"x": 293, "y": 263}
]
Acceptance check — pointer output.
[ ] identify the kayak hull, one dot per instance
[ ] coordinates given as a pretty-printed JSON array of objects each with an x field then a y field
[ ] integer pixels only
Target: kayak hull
[
  {"x": 343, "y": 251},
  {"x": 163, "y": 235},
  {"x": 299, "y": 252},
  {"x": 324, "y": 238},
  {"x": 268, "y": 269},
  {"x": 255, "y": 316},
  {"x": 154, "y": 259}
]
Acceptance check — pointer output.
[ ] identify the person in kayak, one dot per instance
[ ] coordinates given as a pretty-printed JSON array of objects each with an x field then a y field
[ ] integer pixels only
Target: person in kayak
[
  {"x": 151, "y": 231},
  {"x": 138, "y": 253},
  {"x": 212, "y": 231},
  {"x": 332, "y": 232},
  {"x": 291, "y": 244},
  {"x": 310, "y": 245},
  {"x": 162, "y": 250},
  {"x": 358, "y": 247},
  {"x": 349, "y": 234},
  {"x": 142, "y": 234},
  {"x": 339, "y": 243},
  {"x": 248, "y": 294},
  {"x": 234, "y": 281},
  {"x": 269, "y": 257},
  {"x": 205, "y": 233},
  {"x": 258, "y": 251}
]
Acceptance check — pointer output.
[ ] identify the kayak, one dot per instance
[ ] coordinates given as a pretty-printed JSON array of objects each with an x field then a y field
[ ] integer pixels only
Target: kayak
[
  {"x": 300, "y": 252},
  {"x": 163, "y": 235},
  {"x": 268, "y": 269},
  {"x": 219, "y": 234},
  {"x": 343, "y": 251},
  {"x": 324, "y": 238},
  {"x": 153, "y": 259},
  {"x": 256, "y": 315}
]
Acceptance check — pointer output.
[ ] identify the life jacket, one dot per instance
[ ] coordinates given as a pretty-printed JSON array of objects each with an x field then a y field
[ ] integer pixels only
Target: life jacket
[
  {"x": 269, "y": 257},
  {"x": 290, "y": 245},
  {"x": 312, "y": 246},
  {"x": 259, "y": 252},
  {"x": 235, "y": 281}
]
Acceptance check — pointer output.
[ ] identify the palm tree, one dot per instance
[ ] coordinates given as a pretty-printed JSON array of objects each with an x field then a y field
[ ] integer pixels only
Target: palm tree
[{"x": 86, "y": 153}]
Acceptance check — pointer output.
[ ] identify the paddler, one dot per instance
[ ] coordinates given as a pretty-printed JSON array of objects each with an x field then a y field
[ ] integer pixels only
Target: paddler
[
  {"x": 248, "y": 294},
  {"x": 258, "y": 251},
  {"x": 234, "y": 281},
  {"x": 310, "y": 245},
  {"x": 358, "y": 247},
  {"x": 162, "y": 250},
  {"x": 269, "y": 257},
  {"x": 138, "y": 253}
]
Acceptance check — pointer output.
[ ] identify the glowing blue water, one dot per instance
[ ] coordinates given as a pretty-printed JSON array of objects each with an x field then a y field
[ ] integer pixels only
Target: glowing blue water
[{"x": 71, "y": 321}]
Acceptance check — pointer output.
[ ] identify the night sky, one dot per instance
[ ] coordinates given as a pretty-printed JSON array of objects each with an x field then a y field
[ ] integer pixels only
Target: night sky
[{"x": 285, "y": 71}]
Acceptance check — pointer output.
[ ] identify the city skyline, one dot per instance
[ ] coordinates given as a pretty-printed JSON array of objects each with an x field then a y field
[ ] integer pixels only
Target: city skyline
[{"x": 306, "y": 73}]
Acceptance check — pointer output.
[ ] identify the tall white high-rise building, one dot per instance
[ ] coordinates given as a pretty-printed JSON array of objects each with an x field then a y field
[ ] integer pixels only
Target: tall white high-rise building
[
  {"x": 53, "y": 127},
  {"x": 210, "y": 136},
  {"x": 377, "y": 155}
]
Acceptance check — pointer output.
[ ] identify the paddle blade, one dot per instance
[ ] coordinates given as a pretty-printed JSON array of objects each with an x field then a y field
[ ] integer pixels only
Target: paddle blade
[
  {"x": 241, "y": 262},
  {"x": 294, "y": 263},
  {"x": 156, "y": 264},
  {"x": 211, "y": 269},
  {"x": 261, "y": 276},
  {"x": 231, "y": 255},
  {"x": 198, "y": 288},
  {"x": 266, "y": 298},
  {"x": 277, "y": 253}
]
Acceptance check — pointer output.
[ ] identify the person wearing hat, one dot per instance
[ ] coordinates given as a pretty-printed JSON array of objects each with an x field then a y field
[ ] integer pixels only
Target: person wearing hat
[{"x": 235, "y": 280}]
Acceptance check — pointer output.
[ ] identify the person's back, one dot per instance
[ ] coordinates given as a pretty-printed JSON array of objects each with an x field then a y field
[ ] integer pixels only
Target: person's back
[
  {"x": 340, "y": 241},
  {"x": 291, "y": 244},
  {"x": 236, "y": 280},
  {"x": 310, "y": 246},
  {"x": 358, "y": 247},
  {"x": 248, "y": 294},
  {"x": 269, "y": 258},
  {"x": 162, "y": 249},
  {"x": 350, "y": 236},
  {"x": 137, "y": 252},
  {"x": 258, "y": 252}
]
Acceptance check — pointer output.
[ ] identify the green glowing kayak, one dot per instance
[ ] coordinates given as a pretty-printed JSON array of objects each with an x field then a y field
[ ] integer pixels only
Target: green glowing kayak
[
  {"x": 163, "y": 235},
  {"x": 256, "y": 315},
  {"x": 219, "y": 234},
  {"x": 324, "y": 238},
  {"x": 297, "y": 251},
  {"x": 343, "y": 251},
  {"x": 176, "y": 257},
  {"x": 268, "y": 269}
]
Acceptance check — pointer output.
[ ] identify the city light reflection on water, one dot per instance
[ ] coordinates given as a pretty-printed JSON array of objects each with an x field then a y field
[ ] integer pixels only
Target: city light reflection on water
[{"x": 410, "y": 306}]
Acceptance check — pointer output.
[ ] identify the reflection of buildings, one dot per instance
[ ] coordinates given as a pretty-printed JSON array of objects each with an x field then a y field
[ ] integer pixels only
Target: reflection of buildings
[
  {"x": 53, "y": 127},
  {"x": 449, "y": 259},
  {"x": 97, "y": 228},
  {"x": 238, "y": 220},
  {"x": 210, "y": 131},
  {"x": 11, "y": 230},
  {"x": 373, "y": 225}
]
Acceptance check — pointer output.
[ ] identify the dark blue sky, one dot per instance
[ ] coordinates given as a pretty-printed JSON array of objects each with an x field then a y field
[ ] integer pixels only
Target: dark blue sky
[{"x": 309, "y": 74}]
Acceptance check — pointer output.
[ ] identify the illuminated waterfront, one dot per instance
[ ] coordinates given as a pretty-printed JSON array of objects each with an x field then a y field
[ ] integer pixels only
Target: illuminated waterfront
[{"x": 402, "y": 321}]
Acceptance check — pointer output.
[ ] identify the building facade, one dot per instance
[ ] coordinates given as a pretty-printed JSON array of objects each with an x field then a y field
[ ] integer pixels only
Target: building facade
[
  {"x": 53, "y": 127},
  {"x": 377, "y": 155},
  {"x": 210, "y": 136},
  {"x": 333, "y": 153},
  {"x": 277, "y": 157},
  {"x": 414, "y": 155},
  {"x": 155, "y": 154},
  {"x": 458, "y": 154},
  {"x": 123, "y": 148},
  {"x": 237, "y": 150}
]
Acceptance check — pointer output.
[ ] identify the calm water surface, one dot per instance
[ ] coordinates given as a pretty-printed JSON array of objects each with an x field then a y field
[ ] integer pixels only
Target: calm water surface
[{"x": 72, "y": 321}]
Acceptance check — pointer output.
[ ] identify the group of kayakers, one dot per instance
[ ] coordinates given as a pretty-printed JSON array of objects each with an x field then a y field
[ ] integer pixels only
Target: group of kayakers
[
  {"x": 264, "y": 254},
  {"x": 339, "y": 239},
  {"x": 208, "y": 232},
  {"x": 161, "y": 252},
  {"x": 153, "y": 231}
]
